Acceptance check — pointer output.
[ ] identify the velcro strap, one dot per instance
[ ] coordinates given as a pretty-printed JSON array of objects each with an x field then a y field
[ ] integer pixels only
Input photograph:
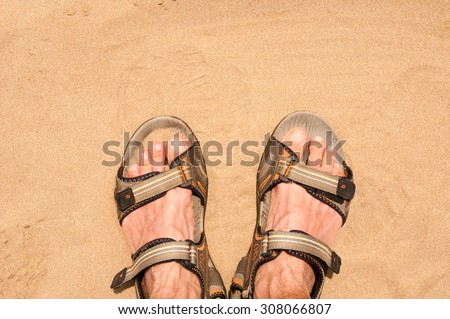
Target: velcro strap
[
  {"x": 300, "y": 173},
  {"x": 170, "y": 251},
  {"x": 153, "y": 186},
  {"x": 301, "y": 242}
]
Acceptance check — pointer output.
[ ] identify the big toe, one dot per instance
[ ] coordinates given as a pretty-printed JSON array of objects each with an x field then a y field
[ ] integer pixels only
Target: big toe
[
  {"x": 296, "y": 140},
  {"x": 148, "y": 161},
  {"x": 157, "y": 157}
]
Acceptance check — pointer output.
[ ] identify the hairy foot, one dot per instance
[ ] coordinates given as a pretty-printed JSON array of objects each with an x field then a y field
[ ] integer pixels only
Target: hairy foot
[
  {"x": 171, "y": 216},
  {"x": 292, "y": 207}
]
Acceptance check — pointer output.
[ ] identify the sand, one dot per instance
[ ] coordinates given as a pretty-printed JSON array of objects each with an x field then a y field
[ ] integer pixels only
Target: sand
[{"x": 77, "y": 74}]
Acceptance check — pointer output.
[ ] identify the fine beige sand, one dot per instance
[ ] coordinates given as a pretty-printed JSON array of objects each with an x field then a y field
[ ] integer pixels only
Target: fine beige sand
[{"x": 77, "y": 74}]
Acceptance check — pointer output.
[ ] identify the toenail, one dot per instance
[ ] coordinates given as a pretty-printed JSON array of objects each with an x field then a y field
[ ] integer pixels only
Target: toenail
[
  {"x": 157, "y": 147},
  {"x": 299, "y": 134}
]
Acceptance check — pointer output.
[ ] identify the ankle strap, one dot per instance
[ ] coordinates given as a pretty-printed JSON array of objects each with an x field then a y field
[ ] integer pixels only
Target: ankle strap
[{"x": 152, "y": 254}]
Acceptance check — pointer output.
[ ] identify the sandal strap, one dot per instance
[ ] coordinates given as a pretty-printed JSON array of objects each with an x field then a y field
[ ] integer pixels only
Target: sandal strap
[
  {"x": 152, "y": 187},
  {"x": 281, "y": 164},
  {"x": 192, "y": 256},
  {"x": 185, "y": 171},
  {"x": 156, "y": 254},
  {"x": 301, "y": 242},
  {"x": 269, "y": 246},
  {"x": 306, "y": 175}
]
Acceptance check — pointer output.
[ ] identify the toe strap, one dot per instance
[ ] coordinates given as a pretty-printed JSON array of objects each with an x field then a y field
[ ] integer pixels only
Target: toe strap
[
  {"x": 302, "y": 174},
  {"x": 281, "y": 164}
]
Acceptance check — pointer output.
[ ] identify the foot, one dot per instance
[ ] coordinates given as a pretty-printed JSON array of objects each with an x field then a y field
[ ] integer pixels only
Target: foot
[
  {"x": 171, "y": 216},
  {"x": 292, "y": 207}
]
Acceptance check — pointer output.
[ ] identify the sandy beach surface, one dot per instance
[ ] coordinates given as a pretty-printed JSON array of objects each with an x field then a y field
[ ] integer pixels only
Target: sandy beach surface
[{"x": 77, "y": 74}]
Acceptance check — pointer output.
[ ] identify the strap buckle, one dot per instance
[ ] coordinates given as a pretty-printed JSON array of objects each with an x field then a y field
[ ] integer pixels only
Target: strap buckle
[
  {"x": 264, "y": 249},
  {"x": 193, "y": 255},
  {"x": 125, "y": 199}
]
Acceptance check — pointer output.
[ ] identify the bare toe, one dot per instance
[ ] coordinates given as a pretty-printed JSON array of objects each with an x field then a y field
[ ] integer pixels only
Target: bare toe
[
  {"x": 157, "y": 157},
  {"x": 316, "y": 150},
  {"x": 330, "y": 164},
  {"x": 337, "y": 168},
  {"x": 296, "y": 140}
]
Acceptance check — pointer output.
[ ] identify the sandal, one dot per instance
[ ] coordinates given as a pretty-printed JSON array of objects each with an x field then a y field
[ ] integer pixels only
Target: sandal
[
  {"x": 188, "y": 171},
  {"x": 280, "y": 164}
]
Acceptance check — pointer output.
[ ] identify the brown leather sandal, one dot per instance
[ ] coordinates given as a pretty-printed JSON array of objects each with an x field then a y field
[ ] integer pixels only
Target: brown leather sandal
[
  {"x": 280, "y": 164},
  {"x": 188, "y": 171}
]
